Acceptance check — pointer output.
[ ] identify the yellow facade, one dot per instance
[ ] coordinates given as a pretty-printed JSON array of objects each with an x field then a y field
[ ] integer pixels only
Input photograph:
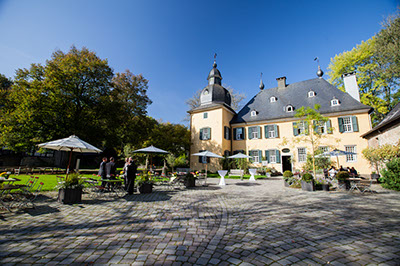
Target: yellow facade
[
  {"x": 287, "y": 141},
  {"x": 217, "y": 119}
]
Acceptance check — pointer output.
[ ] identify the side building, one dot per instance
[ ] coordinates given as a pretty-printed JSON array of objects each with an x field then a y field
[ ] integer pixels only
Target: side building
[{"x": 266, "y": 127}]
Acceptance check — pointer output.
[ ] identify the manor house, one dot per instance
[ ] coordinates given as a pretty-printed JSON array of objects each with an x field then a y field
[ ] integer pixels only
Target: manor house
[{"x": 266, "y": 127}]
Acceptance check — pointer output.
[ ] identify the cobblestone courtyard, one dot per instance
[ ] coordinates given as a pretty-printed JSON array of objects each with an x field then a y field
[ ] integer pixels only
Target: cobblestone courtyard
[{"x": 244, "y": 223}]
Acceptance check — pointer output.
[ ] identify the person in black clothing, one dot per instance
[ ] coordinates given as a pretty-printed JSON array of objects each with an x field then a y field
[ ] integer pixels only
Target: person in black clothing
[
  {"x": 102, "y": 170},
  {"x": 131, "y": 175},
  {"x": 111, "y": 169}
]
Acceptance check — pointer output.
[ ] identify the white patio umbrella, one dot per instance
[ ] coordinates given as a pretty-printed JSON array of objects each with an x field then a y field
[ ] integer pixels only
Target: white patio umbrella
[
  {"x": 207, "y": 154},
  {"x": 240, "y": 156},
  {"x": 71, "y": 144},
  {"x": 150, "y": 150},
  {"x": 335, "y": 153}
]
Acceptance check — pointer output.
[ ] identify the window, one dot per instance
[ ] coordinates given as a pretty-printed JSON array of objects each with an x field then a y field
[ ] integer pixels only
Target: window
[
  {"x": 238, "y": 133},
  {"x": 351, "y": 157},
  {"x": 205, "y": 115},
  {"x": 227, "y": 133},
  {"x": 205, "y": 133},
  {"x": 323, "y": 148},
  {"x": 254, "y": 132},
  {"x": 204, "y": 159},
  {"x": 289, "y": 108},
  {"x": 273, "y": 156},
  {"x": 256, "y": 156},
  {"x": 253, "y": 113},
  {"x": 300, "y": 128},
  {"x": 272, "y": 99},
  {"x": 302, "y": 152},
  {"x": 271, "y": 131},
  {"x": 348, "y": 124},
  {"x": 335, "y": 102},
  {"x": 322, "y": 127},
  {"x": 205, "y": 92},
  {"x": 311, "y": 94}
]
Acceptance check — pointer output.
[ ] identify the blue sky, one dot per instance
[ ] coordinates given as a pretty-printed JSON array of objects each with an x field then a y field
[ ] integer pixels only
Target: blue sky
[{"x": 172, "y": 42}]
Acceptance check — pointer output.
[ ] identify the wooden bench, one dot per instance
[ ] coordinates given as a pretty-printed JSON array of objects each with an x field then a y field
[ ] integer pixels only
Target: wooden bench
[{"x": 235, "y": 172}]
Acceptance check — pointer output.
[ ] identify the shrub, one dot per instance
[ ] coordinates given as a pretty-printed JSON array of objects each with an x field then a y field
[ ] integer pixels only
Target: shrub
[
  {"x": 391, "y": 175},
  {"x": 342, "y": 175},
  {"x": 287, "y": 175},
  {"x": 307, "y": 177}
]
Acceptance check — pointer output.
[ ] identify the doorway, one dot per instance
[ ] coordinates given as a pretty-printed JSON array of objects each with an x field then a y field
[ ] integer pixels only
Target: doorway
[{"x": 286, "y": 163}]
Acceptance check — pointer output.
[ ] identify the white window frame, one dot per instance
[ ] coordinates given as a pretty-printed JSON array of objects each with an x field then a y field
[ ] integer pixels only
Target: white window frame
[
  {"x": 238, "y": 134},
  {"x": 324, "y": 148},
  {"x": 253, "y": 113},
  {"x": 302, "y": 156},
  {"x": 254, "y": 134},
  {"x": 272, "y": 156},
  {"x": 311, "y": 94},
  {"x": 301, "y": 128},
  {"x": 272, "y": 99},
  {"x": 335, "y": 102},
  {"x": 289, "y": 108},
  {"x": 205, "y": 115},
  {"x": 255, "y": 158},
  {"x": 271, "y": 132},
  {"x": 347, "y": 124},
  {"x": 323, "y": 126},
  {"x": 208, "y": 130},
  {"x": 351, "y": 158}
]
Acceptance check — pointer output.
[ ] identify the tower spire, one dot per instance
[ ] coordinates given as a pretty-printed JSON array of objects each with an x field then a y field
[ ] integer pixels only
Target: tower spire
[
  {"x": 261, "y": 82},
  {"x": 215, "y": 60}
]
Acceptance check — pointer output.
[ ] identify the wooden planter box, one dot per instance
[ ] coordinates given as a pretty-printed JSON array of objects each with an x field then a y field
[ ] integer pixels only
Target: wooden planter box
[
  {"x": 307, "y": 186},
  {"x": 70, "y": 195},
  {"x": 145, "y": 188}
]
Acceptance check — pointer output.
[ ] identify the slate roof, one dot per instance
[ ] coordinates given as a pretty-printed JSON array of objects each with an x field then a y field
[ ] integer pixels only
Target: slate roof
[
  {"x": 296, "y": 94},
  {"x": 391, "y": 118}
]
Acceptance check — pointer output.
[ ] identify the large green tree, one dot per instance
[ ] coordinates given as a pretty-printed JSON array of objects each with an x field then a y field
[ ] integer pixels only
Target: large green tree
[
  {"x": 376, "y": 62},
  {"x": 73, "y": 93}
]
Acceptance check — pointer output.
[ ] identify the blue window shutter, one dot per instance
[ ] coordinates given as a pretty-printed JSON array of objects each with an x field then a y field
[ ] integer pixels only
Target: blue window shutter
[
  {"x": 295, "y": 132},
  {"x": 250, "y": 159},
  {"x": 278, "y": 156},
  {"x": 234, "y": 134},
  {"x": 329, "y": 126},
  {"x": 276, "y": 131},
  {"x": 244, "y": 133},
  {"x": 209, "y": 133},
  {"x": 315, "y": 126},
  {"x": 306, "y": 127},
  {"x": 201, "y": 133},
  {"x": 250, "y": 130},
  {"x": 341, "y": 128},
  {"x": 260, "y": 156},
  {"x": 259, "y": 132},
  {"x": 266, "y": 131},
  {"x": 354, "y": 122},
  {"x": 267, "y": 155}
]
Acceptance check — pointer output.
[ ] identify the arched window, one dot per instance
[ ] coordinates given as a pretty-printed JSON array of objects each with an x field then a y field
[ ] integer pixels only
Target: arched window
[
  {"x": 311, "y": 94},
  {"x": 335, "y": 102},
  {"x": 253, "y": 113},
  {"x": 272, "y": 99},
  {"x": 289, "y": 108}
]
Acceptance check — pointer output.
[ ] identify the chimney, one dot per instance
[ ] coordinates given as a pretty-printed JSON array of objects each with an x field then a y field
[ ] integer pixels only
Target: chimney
[
  {"x": 351, "y": 86},
  {"x": 281, "y": 82}
]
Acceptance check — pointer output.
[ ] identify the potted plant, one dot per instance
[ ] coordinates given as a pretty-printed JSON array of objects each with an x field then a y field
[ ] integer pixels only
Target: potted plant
[
  {"x": 343, "y": 179},
  {"x": 307, "y": 182},
  {"x": 268, "y": 172},
  {"x": 189, "y": 180},
  {"x": 70, "y": 191},
  {"x": 144, "y": 183},
  {"x": 288, "y": 178}
]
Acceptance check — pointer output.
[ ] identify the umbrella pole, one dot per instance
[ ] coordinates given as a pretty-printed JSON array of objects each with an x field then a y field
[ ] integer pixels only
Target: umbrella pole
[
  {"x": 69, "y": 163},
  {"x": 337, "y": 159},
  {"x": 205, "y": 182}
]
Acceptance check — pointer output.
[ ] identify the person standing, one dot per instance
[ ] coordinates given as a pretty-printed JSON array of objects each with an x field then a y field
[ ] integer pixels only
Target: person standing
[
  {"x": 111, "y": 169},
  {"x": 102, "y": 170},
  {"x": 125, "y": 171},
  {"x": 131, "y": 175}
]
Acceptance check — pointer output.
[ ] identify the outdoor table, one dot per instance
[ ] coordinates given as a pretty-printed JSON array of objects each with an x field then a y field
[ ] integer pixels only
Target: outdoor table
[
  {"x": 354, "y": 183},
  {"x": 114, "y": 186},
  {"x": 222, "y": 174},
  {"x": 252, "y": 173},
  {"x": 9, "y": 180},
  {"x": 5, "y": 190}
]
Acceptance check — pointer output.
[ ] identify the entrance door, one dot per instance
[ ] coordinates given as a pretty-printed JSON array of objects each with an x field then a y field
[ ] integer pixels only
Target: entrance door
[{"x": 286, "y": 163}]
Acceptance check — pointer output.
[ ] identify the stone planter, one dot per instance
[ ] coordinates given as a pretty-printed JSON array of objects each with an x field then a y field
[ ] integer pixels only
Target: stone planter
[
  {"x": 190, "y": 183},
  {"x": 286, "y": 183},
  {"x": 325, "y": 187},
  {"x": 70, "y": 195},
  {"x": 145, "y": 188},
  {"x": 307, "y": 186}
]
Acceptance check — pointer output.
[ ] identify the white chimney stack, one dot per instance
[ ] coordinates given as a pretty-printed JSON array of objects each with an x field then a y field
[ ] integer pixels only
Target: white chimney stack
[{"x": 351, "y": 86}]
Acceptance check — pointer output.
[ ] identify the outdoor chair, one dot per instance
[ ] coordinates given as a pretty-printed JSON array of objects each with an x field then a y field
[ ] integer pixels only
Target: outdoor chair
[
  {"x": 201, "y": 179},
  {"x": 365, "y": 186},
  {"x": 30, "y": 198}
]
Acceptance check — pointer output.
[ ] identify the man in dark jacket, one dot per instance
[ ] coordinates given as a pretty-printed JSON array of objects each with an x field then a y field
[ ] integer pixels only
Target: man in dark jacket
[
  {"x": 102, "y": 170},
  {"x": 111, "y": 169},
  {"x": 131, "y": 175}
]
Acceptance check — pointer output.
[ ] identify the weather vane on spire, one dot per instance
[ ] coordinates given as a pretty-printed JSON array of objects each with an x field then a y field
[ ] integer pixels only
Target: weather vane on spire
[
  {"x": 261, "y": 82},
  {"x": 215, "y": 60},
  {"x": 319, "y": 72}
]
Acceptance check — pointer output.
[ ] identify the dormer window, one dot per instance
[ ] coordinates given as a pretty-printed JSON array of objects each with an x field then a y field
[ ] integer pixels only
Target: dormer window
[
  {"x": 206, "y": 92},
  {"x": 311, "y": 94},
  {"x": 272, "y": 99},
  {"x": 289, "y": 108},
  {"x": 335, "y": 102},
  {"x": 253, "y": 113}
]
